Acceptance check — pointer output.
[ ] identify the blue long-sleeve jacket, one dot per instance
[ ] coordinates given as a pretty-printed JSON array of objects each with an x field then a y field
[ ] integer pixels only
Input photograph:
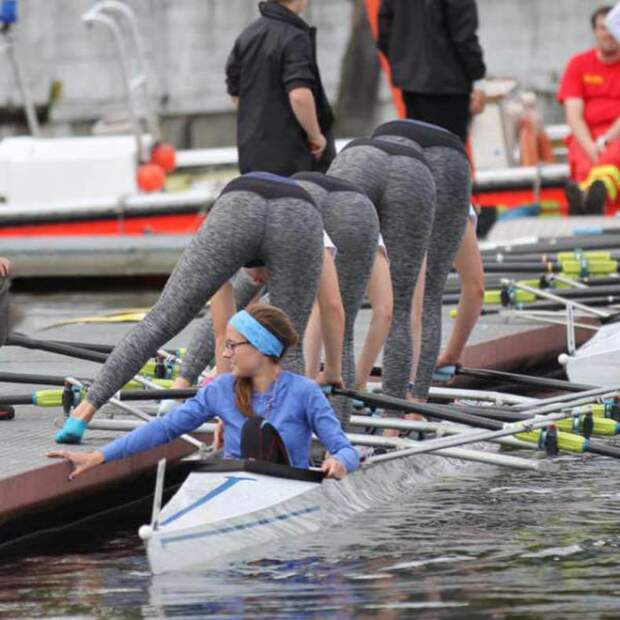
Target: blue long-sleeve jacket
[{"x": 294, "y": 405}]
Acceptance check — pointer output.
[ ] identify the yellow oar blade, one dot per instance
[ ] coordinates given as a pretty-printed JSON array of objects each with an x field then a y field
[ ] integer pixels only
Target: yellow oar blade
[{"x": 130, "y": 315}]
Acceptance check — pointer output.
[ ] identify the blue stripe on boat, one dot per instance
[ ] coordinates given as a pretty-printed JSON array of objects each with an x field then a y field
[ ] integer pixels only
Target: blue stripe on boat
[
  {"x": 237, "y": 528},
  {"x": 230, "y": 482}
]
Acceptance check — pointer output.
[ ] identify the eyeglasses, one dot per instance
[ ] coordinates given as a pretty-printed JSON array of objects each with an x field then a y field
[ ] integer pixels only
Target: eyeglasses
[{"x": 230, "y": 346}]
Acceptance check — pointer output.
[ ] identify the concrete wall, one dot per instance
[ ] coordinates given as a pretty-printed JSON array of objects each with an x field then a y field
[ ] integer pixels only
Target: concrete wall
[{"x": 187, "y": 42}]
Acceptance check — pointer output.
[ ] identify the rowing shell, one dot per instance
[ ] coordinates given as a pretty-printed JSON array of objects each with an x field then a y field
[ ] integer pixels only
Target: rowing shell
[
  {"x": 597, "y": 362},
  {"x": 231, "y": 509}
]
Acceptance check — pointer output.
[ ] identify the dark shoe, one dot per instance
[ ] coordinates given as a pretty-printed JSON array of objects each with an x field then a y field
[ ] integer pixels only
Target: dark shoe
[
  {"x": 575, "y": 199},
  {"x": 6, "y": 412},
  {"x": 596, "y": 198}
]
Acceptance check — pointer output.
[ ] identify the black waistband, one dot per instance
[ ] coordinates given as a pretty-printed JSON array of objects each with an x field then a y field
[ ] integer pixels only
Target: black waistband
[
  {"x": 391, "y": 148},
  {"x": 331, "y": 184},
  {"x": 268, "y": 188},
  {"x": 424, "y": 134}
]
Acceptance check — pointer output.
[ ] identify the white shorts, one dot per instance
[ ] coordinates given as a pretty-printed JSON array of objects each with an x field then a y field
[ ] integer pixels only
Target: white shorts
[
  {"x": 382, "y": 247},
  {"x": 329, "y": 245},
  {"x": 473, "y": 216}
]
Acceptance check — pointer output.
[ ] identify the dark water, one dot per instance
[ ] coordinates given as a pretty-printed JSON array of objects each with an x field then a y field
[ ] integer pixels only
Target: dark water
[{"x": 489, "y": 544}]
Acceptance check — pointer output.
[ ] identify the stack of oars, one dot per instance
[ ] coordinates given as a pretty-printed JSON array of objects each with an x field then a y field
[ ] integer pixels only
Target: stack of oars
[{"x": 563, "y": 423}]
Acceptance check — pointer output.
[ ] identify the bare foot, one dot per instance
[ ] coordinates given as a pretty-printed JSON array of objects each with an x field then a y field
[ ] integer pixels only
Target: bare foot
[
  {"x": 414, "y": 417},
  {"x": 390, "y": 432}
]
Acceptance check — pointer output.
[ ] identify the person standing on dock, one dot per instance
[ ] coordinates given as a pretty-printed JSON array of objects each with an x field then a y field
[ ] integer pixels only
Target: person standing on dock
[
  {"x": 284, "y": 119},
  {"x": 436, "y": 59},
  {"x": 590, "y": 92}
]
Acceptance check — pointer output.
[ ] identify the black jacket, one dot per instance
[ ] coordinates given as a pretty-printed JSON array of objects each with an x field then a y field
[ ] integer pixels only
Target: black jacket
[
  {"x": 271, "y": 57},
  {"x": 432, "y": 45}
]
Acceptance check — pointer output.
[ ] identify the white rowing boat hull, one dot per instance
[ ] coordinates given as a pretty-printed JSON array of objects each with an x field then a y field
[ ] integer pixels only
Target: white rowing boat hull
[
  {"x": 597, "y": 362},
  {"x": 222, "y": 515}
]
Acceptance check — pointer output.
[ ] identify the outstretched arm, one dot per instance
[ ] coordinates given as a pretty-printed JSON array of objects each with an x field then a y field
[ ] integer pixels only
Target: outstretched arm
[{"x": 183, "y": 419}]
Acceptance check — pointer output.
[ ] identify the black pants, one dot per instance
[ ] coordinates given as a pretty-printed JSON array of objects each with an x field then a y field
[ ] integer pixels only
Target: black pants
[
  {"x": 448, "y": 111},
  {"x": 261, "y": 441}
]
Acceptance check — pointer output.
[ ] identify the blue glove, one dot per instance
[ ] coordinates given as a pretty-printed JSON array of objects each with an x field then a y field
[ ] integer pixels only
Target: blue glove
[{"x": 71, "y": 432}]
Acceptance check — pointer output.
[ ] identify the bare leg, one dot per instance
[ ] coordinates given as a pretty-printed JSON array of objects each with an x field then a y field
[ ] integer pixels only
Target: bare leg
[
  {"x": 417, "y": 302},
  {"x": 332, "y": 320},
  {"x": 468, "y": 264},
  {"x": 313, "y": 343},
  {"x": 416, "y": 320},
  {"x": 381, "y": 299},
  {"x": 222, "y": 308}
]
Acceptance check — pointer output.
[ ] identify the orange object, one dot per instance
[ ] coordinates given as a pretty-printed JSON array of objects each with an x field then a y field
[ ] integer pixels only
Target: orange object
[
  {"x": 165, "y": 156},
  {"x": 372, "y": 9},
  {"x": 150, "y": 177},
  {"x": 534, "y": 143}
]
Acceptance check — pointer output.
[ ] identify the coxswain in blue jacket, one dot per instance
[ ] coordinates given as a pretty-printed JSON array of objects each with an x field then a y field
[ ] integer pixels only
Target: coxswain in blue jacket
[{"x": 256, "y": 400}]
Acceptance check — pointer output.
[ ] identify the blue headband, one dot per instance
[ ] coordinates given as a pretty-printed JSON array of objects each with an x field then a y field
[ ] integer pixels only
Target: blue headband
[{"x": 257, "y": 335}]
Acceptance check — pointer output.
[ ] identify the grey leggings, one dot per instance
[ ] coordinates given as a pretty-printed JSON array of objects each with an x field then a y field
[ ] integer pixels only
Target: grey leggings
[
  {"x": 350, "y": 219},
  {"x": 252, "y": 219},
  {"x": 201, "y": 350},
  {"x": 448, "y": 163},
  {"x": 401, "y": 186}
]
